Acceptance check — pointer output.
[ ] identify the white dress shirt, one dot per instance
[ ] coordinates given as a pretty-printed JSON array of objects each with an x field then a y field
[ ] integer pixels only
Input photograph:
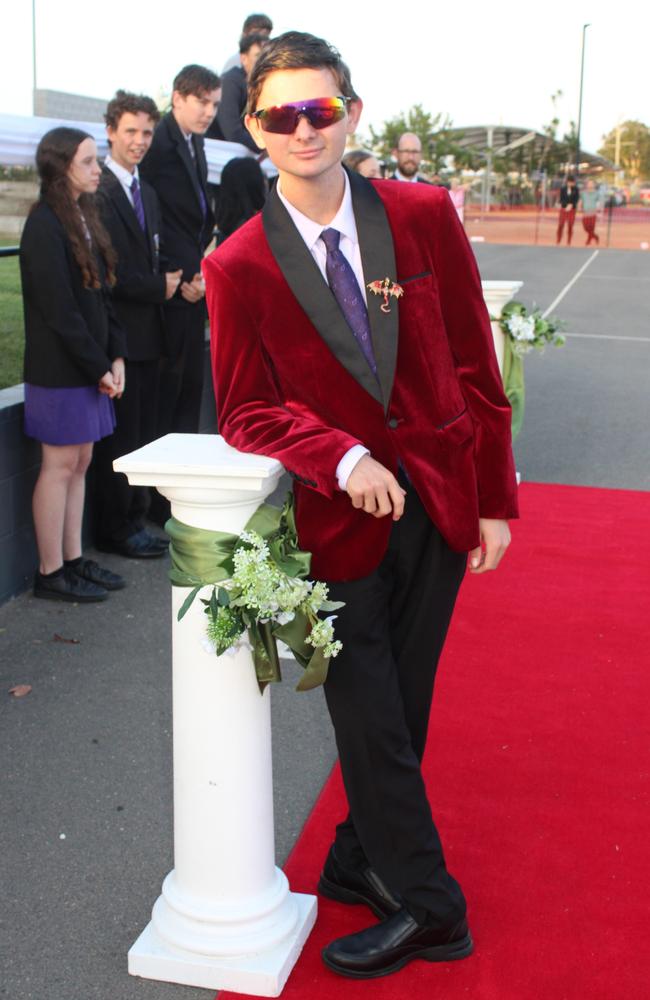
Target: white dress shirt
[
  {"x": 123, "y": 176},
  {"x": 310, "y": 231},
  {"x": 399, "y": 176}
]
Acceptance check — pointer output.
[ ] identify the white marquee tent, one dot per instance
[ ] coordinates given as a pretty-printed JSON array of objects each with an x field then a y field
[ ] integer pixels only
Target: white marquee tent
[{"x": 19, "y": 137}]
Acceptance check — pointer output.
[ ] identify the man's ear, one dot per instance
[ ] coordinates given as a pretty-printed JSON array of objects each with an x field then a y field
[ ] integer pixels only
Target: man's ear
[
  {"x": 354, "y": 114},
  {"x": 255, "y": 130}
]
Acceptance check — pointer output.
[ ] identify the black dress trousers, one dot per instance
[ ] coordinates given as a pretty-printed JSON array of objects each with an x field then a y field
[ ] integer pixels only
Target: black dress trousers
[
  {"x": 120, "y": 510},
  {"x": 379, "y": 692},
  {"x": 181, "y": 376}
]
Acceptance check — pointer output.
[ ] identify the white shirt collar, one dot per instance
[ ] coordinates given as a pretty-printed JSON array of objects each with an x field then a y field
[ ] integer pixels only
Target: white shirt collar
[
  {"x": 310, "y": 231},
  {"x": 400, "y": 176},
  {"x": 122, "y": 175}
]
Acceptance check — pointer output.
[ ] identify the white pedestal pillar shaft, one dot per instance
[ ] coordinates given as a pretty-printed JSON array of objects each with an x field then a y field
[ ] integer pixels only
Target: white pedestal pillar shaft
[
  {"x": 496, "y": 295},
  {"x": 226, "y": 918}
]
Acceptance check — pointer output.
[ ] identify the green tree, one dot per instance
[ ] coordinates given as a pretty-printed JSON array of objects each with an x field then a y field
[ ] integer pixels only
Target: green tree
[{"x": 633, "y": 146}]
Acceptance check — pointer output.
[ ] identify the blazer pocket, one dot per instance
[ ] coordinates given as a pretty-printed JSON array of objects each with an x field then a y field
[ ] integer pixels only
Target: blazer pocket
[
  {"x": 414, "y": 277},
  {"x": 452, "y": 420},
  {"x": 457, "y": 431}
]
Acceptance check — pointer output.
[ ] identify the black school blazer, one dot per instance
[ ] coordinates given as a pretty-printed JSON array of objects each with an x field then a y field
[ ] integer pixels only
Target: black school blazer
[{"x": 71, "y": 332}]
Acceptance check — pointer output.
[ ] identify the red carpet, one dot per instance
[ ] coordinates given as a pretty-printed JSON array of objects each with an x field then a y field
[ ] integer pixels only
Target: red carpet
[{"x": 538, "y": 769}]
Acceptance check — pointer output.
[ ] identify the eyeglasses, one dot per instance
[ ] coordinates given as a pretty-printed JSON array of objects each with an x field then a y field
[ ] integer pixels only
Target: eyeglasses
[{"x": 320, "y": 112}]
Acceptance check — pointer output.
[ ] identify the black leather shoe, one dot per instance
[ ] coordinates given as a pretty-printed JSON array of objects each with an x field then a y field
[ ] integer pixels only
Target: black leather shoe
[
  {"x": 68, "y": 587},
  {"x": 88, "y": 569},
  {"x": 142, "y": 545},
  {"x": 388, "y": 946},
  {"x": 348, "y": 886}
]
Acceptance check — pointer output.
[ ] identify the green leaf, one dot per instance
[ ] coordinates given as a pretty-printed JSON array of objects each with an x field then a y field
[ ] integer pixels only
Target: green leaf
[
  {"x": 187, "y": 603},
  {"x": 224, "y": 597},
  {"x": 214, "y": 605}
]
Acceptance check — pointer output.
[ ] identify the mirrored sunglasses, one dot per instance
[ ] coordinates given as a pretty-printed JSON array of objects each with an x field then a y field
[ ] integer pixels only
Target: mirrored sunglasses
[{"x": 320, "y": 112}]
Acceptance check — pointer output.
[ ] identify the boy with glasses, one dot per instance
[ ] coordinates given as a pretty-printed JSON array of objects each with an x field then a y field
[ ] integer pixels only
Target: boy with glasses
[{"x": 351, "y": 342}]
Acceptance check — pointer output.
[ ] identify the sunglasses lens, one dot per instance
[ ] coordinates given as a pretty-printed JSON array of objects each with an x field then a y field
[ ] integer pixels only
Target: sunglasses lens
[
  {"x": 321, "y": 112},
  {"x": 326, "y": 112},
  {"x": 281, "y": 119}
]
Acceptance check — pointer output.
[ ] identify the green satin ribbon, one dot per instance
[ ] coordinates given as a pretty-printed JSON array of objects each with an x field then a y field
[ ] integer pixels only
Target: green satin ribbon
[
  {"x": 200, "y": 557},
  {"x": 513, "y": 384}
]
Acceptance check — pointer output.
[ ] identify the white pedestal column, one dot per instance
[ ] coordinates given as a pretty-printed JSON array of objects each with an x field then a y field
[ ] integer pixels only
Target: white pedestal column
[
  {"x": 496, "y": 295},
  {"x": 226, "y": 918}
]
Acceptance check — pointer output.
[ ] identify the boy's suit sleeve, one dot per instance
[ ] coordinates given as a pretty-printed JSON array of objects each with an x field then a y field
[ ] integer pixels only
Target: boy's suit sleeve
[
  {"x": 252, "y": 413},
  {"x": 469, "y": 333}
]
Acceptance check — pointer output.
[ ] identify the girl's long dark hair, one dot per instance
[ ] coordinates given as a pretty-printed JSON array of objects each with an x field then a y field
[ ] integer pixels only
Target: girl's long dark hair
[
  {"x": 55, "y": 153},
  {"x": 242, "y": 193}
]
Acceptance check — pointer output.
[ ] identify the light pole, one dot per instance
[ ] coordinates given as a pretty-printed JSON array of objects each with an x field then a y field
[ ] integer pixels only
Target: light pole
[{"x": 582, "y": 71}]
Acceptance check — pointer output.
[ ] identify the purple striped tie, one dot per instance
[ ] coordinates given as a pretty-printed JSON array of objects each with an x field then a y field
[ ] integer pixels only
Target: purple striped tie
[
  {"x": 137, "y": 203},
  {"x": 346, "y": 291}
]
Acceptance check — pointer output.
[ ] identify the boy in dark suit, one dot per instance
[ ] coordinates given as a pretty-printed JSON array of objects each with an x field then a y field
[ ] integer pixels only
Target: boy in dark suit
[
  {"x": 389, "y": 412},
  {"x": 131, "y": 214},
  {"x": 176, "y": 168},
  {"x": 228, "y": 123}
]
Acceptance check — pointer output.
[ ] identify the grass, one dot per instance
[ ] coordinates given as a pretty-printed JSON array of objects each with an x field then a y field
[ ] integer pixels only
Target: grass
[{"x": 11, "y": 320}]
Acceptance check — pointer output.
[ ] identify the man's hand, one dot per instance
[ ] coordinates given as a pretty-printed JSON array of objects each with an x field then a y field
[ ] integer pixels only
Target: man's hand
[
  {"x": 495, "y": 539},
  {"x": 194, "y": 290},
  {"x": 372, "y": 488},
  {"x": 172, "y": 281}
]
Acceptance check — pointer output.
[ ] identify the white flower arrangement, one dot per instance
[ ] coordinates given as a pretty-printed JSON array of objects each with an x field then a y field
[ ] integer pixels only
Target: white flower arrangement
[
  {"x": 529, "y": 330},
  {"x": 260, "y": 593}
]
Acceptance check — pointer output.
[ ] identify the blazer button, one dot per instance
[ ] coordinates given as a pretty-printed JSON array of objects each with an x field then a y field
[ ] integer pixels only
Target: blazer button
[{"x": 393, "y": 423}]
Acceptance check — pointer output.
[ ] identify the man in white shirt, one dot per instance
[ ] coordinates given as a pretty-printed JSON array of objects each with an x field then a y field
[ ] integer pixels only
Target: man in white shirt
[
  {"x": 131, "y": 214},
  {"x": 350, "y": 341},
  {"x": 408, "y": 154}
]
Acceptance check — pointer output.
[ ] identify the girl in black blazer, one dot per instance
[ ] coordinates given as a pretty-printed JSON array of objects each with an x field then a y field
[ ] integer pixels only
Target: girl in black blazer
[{"x": 74, "y": 364}]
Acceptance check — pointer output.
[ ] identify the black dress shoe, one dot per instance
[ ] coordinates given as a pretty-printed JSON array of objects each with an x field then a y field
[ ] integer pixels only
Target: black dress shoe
[
  {"x": 388, "y": 946},
  {"x": 348, "y": 886},
  {"x": 88, "y": 569},
  {"x": 67, "y": 586},
  {"x": 142, "y": 545}
]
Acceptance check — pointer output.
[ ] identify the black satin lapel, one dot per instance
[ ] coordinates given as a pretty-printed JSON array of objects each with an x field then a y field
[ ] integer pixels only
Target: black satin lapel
[
  {"x": 312, "y": 292},
  {"x": 190, "y": 166},
  {"x": 378, "y": 259}
]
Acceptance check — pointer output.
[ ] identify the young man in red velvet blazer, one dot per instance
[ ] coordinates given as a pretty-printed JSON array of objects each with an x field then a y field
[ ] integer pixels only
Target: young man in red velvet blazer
[{"x": 394, "y": 425}]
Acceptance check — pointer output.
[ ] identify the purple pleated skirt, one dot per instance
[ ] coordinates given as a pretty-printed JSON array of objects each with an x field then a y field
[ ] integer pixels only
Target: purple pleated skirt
[{"x": 67, "y": 416}]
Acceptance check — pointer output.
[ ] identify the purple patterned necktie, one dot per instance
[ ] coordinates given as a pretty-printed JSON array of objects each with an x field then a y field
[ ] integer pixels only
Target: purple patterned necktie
[
  {"x": 203, "y": 203},
  {"x": 137, "y": 203},
  {"x": 346, "y": 291}
]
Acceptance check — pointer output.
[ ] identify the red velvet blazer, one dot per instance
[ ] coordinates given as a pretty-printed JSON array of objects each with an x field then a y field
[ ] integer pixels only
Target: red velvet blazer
[{"x": 291, "y": 382}]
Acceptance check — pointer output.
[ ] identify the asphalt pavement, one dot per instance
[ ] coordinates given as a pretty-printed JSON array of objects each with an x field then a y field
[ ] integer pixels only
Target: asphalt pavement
[{"x": 85, "y": 757}]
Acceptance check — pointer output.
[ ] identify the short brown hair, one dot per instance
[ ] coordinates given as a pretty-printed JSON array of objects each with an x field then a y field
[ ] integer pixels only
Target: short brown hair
[
  {"x": 246, "y": 42},
  {"x": 125, "y": 102},
  {"x": 257, "y": 22},
  {"x": 297, "y": 50},
  {"x": 195, "y": 80}
]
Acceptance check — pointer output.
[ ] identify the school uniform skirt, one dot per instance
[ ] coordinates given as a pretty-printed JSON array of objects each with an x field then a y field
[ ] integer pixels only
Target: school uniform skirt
[{"x": 67, "y": 416}]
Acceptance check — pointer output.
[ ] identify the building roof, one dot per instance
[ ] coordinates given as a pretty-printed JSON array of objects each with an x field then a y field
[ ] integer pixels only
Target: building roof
[{"x": 507, "y": 138}]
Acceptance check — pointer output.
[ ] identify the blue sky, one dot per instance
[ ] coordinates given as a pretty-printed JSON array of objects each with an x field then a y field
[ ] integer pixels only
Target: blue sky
[{"x": 480, "y": 62}]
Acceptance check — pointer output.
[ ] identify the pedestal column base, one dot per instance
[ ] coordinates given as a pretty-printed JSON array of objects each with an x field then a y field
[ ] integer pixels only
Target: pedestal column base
[{"x": 262, "y": 974}]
